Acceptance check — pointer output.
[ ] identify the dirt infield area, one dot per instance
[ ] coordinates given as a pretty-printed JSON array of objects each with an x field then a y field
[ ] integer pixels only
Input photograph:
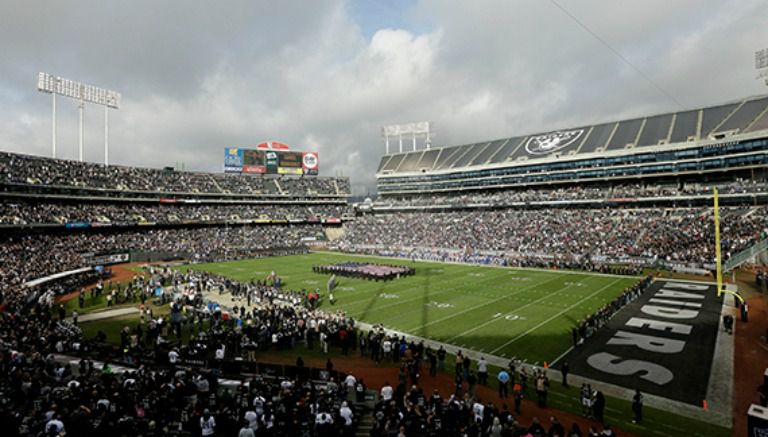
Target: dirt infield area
[{"x": 120, "y": 273}]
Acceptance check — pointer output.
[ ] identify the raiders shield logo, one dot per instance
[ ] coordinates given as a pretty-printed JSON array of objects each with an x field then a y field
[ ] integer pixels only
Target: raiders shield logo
[{"x": 552, "y": 142}]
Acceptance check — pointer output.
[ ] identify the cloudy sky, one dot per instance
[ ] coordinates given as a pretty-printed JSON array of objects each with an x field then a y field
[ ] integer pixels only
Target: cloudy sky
[{"x": 325, "y": 75}]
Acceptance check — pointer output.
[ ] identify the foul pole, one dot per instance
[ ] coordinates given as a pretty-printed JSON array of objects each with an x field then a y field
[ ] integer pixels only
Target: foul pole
[{"x": 718, "y": 258}]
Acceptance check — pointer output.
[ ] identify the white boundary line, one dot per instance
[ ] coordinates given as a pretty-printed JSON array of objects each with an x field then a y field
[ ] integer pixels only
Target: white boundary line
[
  {"x": 482, "y": 325},
  {"x": 490, "y": 302},
  {"x": 552, "y": 318}
]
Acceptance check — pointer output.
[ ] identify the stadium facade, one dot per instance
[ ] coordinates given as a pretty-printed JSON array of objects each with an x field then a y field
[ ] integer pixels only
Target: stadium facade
[{"x": 715, "y": 143}]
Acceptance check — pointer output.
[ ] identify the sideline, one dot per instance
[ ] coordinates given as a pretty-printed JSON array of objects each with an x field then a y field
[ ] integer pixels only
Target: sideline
[
  {"x": 495, "y": 266},
  {"x": 107, "y": 314}
]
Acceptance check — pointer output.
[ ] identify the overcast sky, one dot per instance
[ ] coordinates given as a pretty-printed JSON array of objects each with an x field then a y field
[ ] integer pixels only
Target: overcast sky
[{"x": 325, "y": 75}]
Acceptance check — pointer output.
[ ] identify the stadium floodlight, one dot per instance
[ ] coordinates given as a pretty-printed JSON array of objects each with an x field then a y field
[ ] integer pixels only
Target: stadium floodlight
[
  {"x": 422, "y": 129},
  {"x": 761, "y": 64},
  {"x": 83, "y": 93},
  {"x": 761, "y": 59}
]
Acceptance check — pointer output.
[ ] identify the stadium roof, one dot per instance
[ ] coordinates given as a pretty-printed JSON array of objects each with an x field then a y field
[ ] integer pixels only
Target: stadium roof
[{"x": 688, "y": 126}]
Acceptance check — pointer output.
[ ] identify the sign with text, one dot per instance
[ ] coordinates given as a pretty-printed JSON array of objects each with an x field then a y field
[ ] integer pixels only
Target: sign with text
[{"x": 663, "y": 343}]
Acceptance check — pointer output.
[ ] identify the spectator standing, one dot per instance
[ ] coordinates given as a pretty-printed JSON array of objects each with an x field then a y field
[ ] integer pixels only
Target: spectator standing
[
  {"x": 637, "y": 406},
  {"x": 482, "y": 371},
  {"x": 503, "y": 379},
  {"x": 565, "y": 369},
  {"x": 207, "y": 424}
]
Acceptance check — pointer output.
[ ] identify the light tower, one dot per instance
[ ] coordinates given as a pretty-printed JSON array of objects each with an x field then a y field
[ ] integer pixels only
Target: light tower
[
  {"x": 761, "y": 64},
  {"x": 83, "y": 93},
  {"x": 412, "y": 131}
]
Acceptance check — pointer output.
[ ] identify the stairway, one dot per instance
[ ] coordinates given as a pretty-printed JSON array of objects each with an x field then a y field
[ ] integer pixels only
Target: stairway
[
  {"x": 216, "y": 183},
  {"x": 364, "y": 412},
  {"x": 279, "y": 188}
]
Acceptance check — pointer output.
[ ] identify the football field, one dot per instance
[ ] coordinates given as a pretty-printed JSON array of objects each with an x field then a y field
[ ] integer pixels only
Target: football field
[{"x": 507, "y": 312}]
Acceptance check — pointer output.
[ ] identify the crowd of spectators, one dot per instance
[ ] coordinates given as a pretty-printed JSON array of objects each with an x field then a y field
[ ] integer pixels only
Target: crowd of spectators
[
  {"x": 31, "y": 256},
  {"x": 573, "y": 193},
  {"x": 25, "y": 169},
  {"x": 161, "y": 393},
  {"x": 565, "y": 235},
  {"x": 587, "y": 327},
  {"x": 45, "y": 397},
  {"x": 24, "y": 213}
]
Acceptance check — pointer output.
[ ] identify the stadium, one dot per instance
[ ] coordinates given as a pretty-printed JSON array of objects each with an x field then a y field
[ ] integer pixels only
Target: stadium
[{"x": 586, "y": 272}]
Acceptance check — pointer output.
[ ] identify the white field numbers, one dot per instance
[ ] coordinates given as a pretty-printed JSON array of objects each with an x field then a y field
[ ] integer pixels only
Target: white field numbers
[
  {"x": 440, "y": 305},
  {"x": 510, "y": 317}
]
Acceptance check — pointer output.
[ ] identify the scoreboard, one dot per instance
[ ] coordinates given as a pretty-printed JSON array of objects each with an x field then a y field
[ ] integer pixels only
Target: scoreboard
[
  {"x": 270, "y": 161},
  {"x": 289, "y": 163}
]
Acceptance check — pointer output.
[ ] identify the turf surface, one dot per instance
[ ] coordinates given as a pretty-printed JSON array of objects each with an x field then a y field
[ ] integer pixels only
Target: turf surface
[{"x": 522, "y": 313}]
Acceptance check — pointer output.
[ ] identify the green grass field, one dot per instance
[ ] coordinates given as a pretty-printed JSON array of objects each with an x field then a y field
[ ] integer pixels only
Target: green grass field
[{"x": 527, "y": 314}]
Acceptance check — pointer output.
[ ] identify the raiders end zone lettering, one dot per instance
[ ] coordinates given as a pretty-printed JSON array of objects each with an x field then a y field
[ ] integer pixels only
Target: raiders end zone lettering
[{"x": 662, "y": 343}]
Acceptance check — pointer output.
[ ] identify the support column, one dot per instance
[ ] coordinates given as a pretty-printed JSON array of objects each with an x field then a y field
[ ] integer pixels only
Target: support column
[
  {"x": 106, "y": 135},
  {"x": 53, "y": 126},
  {"x": 80, "y": 149}
]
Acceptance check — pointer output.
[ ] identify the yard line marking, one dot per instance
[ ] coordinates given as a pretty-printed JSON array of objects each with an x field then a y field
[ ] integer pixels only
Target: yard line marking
[
  {"x": 472, "y": 308},
  {"x": 528, "y": 288},
  {"x": 516, "y": 310},
  {"x": 555, "y": 361},
  {"x": 549, "y": 319},
  {"x": 366, "y": 294},
  {"x": 448, "y": 290}
]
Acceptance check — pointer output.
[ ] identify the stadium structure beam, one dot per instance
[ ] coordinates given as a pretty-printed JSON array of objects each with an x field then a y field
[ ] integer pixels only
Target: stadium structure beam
[
  {"x": 53, "y": 125},
  {"x": 80, "y": 109},
  {"x": 83, "y": 93},
  {"x": 106, "y": 135}
]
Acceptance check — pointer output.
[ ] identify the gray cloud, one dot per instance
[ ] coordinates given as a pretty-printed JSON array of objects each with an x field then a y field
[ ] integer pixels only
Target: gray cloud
[{"x": 197, "y": 77}]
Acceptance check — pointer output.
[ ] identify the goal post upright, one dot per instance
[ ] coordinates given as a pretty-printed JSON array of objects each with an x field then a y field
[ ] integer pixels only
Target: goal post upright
[{"x": 718, "y": 259}]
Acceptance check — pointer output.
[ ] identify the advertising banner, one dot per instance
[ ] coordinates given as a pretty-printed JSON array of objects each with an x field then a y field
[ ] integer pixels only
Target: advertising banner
[
  {"x": 274, "y": 145},
  {"x": 271, "y": 161},
  {"x": 310, "y": 163},
  {"x": 106, "y": 259},
  {"x": 233, "y": 160}
]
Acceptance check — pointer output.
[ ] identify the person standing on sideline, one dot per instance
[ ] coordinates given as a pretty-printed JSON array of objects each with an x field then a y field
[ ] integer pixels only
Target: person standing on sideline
[
  {"x": 564, "y": 370},
  {"x": 637, "y": 406},
  {"x": 503, "y": 379},
  {"x": 441, "y": 359},
  {"x": 598, "y": 406},
  {"x": 482, "y": 371},
  {"x": 518, "y": 398}
]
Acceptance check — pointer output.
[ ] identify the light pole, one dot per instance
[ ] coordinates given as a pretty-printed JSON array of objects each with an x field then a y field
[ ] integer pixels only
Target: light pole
[{"x": 83, "y": 93}]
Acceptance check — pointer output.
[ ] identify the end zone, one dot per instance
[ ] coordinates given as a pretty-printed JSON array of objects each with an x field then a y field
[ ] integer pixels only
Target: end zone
[{"x": 663, "y": 343}]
